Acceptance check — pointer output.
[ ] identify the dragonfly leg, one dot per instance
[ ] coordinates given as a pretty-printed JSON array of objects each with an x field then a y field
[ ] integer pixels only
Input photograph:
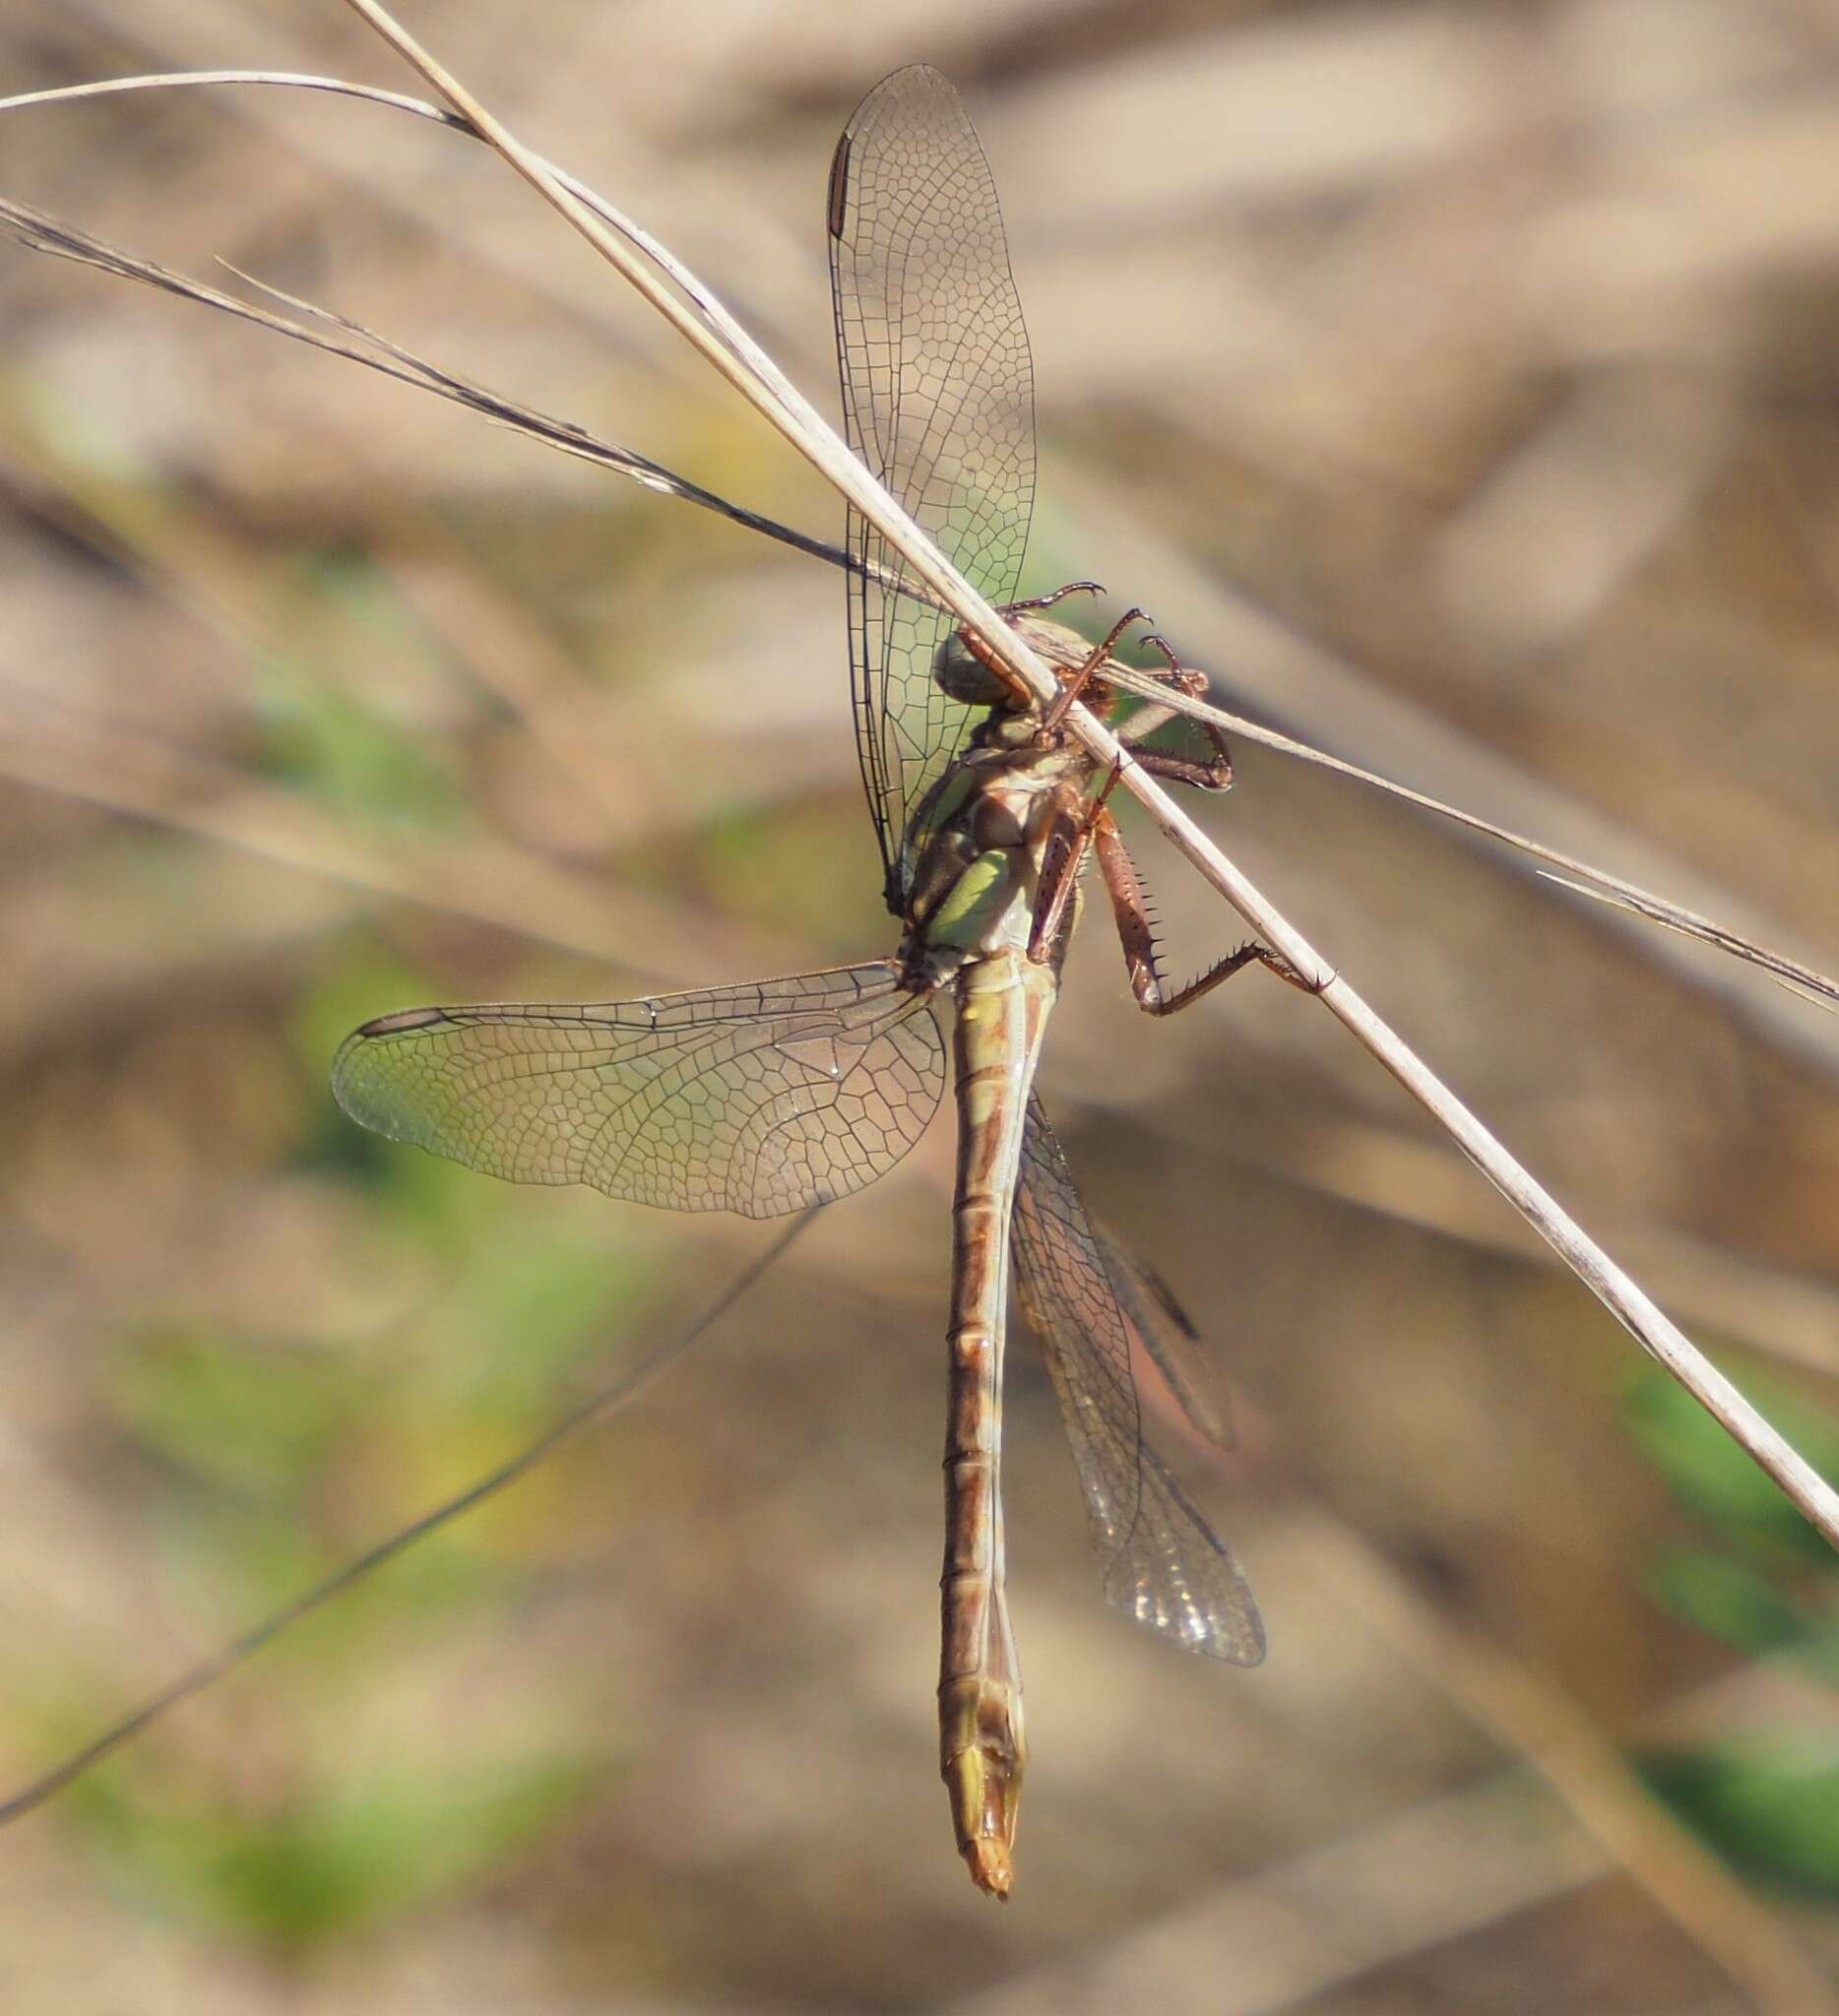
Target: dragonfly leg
[
  {"x": 1076, "y": 682},
  {"x": 1058, "y": 595},
  {"x": 1069, "y": 836},
  {"x": 1214, "y": 775},
  {"x": 1061, "y": 862},
  {"x": 1136, "y": 931}
]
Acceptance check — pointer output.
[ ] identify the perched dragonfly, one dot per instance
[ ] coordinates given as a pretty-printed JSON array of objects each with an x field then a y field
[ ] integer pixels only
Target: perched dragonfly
[{"x": 776, "y": 1094}]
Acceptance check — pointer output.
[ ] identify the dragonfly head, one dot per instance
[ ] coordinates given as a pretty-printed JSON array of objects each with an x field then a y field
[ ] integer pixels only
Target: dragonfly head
[{"x": 966, "y": 670}]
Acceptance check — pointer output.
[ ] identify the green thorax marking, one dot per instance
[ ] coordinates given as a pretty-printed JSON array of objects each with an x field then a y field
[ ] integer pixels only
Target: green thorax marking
[
  {"x": 977, "y": 844},
  {"x": 970, "y": 911}
]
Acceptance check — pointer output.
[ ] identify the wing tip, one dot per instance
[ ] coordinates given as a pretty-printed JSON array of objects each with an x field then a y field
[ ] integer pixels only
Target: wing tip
[
  {"x": 1249, "y": 1647},
  {"x": 355, "y": 1084},
  {"x": 1236, "y": 1641}
]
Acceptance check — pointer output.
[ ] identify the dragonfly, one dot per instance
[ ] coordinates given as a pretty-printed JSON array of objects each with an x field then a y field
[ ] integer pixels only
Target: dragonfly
[{"x": 774, "y": 1095}]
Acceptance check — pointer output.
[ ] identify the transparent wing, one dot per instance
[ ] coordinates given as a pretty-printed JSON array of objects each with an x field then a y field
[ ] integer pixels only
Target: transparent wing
[
  {"x": 1161, "y": 1562},
  {"x": 938, "y": 399},
  {"x": 1166, "y": 1333},
  {"x": 759, "y": 1098}
]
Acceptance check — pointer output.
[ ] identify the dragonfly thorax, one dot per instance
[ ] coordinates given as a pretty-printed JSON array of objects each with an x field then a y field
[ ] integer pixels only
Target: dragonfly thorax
[{"x": 979, "y": 841}]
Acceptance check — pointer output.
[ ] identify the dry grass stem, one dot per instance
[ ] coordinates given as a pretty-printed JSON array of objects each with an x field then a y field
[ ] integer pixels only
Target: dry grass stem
[
  {"x": 605, "y": 1401},
  {"x": 698, "y": 315},
  {"x": 1538, "y": 1721},
  {"x": 714, "y": 333},
  {"x": 1454, "y": 389},
  {"x": 40, "y": 232}
]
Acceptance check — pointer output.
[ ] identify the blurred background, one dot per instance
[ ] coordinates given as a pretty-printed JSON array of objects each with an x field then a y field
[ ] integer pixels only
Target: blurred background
[{"x": 1459, "y": 385}]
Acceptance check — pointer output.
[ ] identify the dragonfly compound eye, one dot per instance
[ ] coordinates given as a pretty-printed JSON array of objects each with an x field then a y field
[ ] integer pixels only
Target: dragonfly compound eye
[{"x": 966, "y": 677}]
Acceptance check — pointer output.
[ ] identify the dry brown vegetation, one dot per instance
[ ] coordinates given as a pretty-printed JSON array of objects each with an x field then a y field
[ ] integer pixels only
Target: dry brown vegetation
[{"x": 1461, "y": 386}]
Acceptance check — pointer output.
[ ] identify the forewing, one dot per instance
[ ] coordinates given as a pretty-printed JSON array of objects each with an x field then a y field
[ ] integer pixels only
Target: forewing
[
  {"x": 760, "y": 1098},
  {"x": 938, "y": 399},
  {"x": 1161, "y": 1560}
]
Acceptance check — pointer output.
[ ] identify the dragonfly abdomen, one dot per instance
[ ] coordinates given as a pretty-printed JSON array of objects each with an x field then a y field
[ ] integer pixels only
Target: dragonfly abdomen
[{"x": 1002, "y": 1011}]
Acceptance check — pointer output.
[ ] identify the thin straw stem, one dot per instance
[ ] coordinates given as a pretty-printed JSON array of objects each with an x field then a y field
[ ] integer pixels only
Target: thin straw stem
[
  {"x": 48, "y": 235},
  {"x": 196, "y": 1678},
  {"x": 703, "y": 321},
  {"x": 727, "y": 348}
]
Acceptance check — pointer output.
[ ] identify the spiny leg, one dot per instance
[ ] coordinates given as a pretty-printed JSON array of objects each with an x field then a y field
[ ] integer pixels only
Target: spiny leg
[
  {"x": 1152, "y": 715},
  {"x": 1063, "y": 856},
  {"x": 1138, "y": 938},
  {"x": 1058, "y": 595},
  {"x": 1214, "y": 775},
  {"x": 1075, "y": 684}
]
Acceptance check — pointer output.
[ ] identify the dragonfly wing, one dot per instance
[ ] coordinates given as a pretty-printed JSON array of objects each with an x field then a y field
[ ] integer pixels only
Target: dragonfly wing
[
  {"x": 938, "y": 399},
  {"x": 1166, "y": 1333},
  {"x": 1161, "y": 1561},
  {"x": 760, "y": 1098}
]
